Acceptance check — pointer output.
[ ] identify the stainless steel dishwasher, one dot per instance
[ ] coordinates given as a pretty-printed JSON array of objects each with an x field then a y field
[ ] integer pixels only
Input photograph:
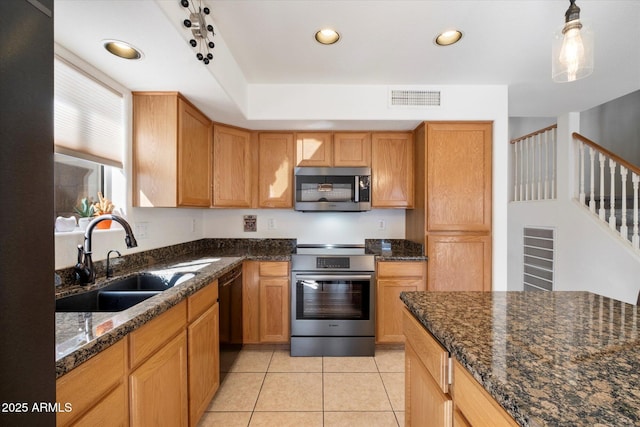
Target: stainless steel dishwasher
[{"x": 230, "y": 304}]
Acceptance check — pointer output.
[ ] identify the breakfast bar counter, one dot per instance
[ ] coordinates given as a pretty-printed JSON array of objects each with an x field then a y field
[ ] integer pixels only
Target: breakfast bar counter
[{"x": 547, "y": 358}]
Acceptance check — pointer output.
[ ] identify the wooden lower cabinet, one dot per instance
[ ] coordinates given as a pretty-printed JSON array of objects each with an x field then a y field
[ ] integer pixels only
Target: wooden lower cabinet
[
  {"x": 265, "y": 302},
  {"x": 473, "y": 405},
  {"x": 92, "y": 387},
  {"x": 111, "y": 411},
  {"x": 425, "y": 403},
  {"x": 159, "y": 387},
  {"x": 392, "y": 278},
  {"x": 163, "y": 374},
  {"x": 203, "y": 350},
  {"x": 439, "y": 391}
]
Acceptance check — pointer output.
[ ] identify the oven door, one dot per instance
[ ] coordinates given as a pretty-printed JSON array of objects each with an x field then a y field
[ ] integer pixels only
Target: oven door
[{"x": 332, "y": 304}]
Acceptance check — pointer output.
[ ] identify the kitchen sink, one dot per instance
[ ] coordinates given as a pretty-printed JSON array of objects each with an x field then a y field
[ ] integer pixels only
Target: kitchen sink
[{"x": 120, "y": 294}]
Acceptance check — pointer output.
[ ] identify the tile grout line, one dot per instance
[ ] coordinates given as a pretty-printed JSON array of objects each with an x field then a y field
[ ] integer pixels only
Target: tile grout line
[{"x": 261, "y": 386}]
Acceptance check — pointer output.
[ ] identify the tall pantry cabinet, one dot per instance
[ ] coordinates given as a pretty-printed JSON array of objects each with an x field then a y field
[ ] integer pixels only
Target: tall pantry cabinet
[{"x": 452, "y": 215}]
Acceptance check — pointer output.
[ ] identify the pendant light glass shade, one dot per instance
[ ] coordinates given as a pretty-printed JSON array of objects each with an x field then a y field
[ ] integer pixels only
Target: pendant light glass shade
[{"x": 572, "y": 52}]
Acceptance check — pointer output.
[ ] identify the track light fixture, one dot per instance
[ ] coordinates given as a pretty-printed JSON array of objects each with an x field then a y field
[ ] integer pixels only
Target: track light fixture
[{"x": 200, "y": 30}]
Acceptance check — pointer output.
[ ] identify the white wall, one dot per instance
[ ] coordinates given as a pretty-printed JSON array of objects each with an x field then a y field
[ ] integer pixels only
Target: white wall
[
  {"x": 308, "y": 227},
  {"x": 588, "y": 256}
]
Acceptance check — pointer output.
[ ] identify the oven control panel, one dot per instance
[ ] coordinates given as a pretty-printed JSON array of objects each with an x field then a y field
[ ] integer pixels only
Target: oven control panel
[{"x": 333, "y": 262}]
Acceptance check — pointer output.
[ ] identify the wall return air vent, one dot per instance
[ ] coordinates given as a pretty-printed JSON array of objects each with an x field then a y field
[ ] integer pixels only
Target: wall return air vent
[
  {"x": 539, "y": 248},
  {"x": 411, "y": 98}
]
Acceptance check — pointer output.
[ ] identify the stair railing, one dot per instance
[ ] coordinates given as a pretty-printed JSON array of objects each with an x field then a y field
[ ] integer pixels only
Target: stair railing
[
  {"x": 534, "y": 165},
  {"x": 597, "y": 187}
]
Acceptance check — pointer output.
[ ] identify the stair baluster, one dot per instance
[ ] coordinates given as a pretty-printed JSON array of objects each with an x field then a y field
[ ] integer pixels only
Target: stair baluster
[
  {"x": 624, "y": 232},
  {"x": 592, "y": 195},
  {"x": 612, "y": 195},
  {"x": 581, "y": 194},
  {"x": 635, "y": 239},
  {"x": 602, "y": 212},
  {"x": 554, "y": 152}
]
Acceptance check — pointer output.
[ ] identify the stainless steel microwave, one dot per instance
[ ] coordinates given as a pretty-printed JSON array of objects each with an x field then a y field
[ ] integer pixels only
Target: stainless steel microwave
[{"x": 333, "y": 189}]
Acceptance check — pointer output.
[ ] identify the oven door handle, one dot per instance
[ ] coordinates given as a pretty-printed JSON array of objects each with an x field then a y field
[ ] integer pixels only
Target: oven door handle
[{"x": 334, "y": 277}]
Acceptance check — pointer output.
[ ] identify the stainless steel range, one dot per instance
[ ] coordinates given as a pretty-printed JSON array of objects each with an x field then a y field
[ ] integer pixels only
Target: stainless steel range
[{"x": 332, "y": 301}]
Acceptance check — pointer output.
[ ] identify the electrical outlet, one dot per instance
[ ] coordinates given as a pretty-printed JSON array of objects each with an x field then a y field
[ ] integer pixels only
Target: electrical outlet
[
  {"x": 193, "y": 225},
  {"x": 382, "y": 224},
  {"x": 141, "y": 230},
  {"x": 271, "y": 224}
]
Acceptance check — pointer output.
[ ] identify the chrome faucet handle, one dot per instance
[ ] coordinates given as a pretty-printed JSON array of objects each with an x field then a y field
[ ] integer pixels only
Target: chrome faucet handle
[{"x": 109, "y": 269}]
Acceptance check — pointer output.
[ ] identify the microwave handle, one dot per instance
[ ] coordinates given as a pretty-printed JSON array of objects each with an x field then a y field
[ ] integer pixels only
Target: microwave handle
[{"x": 356, "y": 190}]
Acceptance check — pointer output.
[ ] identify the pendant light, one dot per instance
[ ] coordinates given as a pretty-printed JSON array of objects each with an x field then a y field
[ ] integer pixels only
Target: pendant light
[{"x": 572, "y": 48}]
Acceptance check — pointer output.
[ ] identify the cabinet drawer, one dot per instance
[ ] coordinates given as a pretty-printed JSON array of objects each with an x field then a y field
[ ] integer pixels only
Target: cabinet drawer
[
  {"x": 112, "y": 411},
  {"x": 144, "y": 341},
  {"x": 199, "y": 302},
  {"x": 401, "y": 269},
  {"x": 432, "y": 355},
  {"x": 475, "y": 404},
  {"x": 84, "y": 385},
  {"x": 274, "y": 269}
]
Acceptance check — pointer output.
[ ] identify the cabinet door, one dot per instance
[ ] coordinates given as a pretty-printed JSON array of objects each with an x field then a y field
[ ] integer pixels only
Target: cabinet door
[
  {"x": 204, "y": 362},
  {"x": 459, "y": 263},
  {"x": 392, "y": 279},
  {"x": 251, "y": 302},
  {"x": 86, "y": 385},
  {"x": 232, "y": 170},
  {"x": 159, "y": 387},
  {"x": 274, "y": 309},
  {"x": 459, "y": 176},
  {"x": 276, "y": 160},
  {"x": 194, "y": 157},
  {"x": 352, "y": 149},
  {"x": 425, "y": 404},
  {"x": 314, "y": 149},
  {"x": 155, "y": 126},
  {"x": 392, "y": 170}
]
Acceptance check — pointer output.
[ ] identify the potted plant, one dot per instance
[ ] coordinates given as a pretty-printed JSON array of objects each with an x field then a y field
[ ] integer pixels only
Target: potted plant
[
  {"x": 85, "y": 212},
  {"x": 101, "y": 207}
]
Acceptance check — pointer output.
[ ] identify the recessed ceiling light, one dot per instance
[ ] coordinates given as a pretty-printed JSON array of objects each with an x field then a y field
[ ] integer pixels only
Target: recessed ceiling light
[
  {"x": 327, "y": 36},
  {"x": 448, "y": 37},
  {"x": 122, "y": 49}
]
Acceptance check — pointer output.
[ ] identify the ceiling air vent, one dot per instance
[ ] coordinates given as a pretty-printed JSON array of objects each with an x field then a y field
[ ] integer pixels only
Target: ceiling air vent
[{"x": 414, "y": 98}]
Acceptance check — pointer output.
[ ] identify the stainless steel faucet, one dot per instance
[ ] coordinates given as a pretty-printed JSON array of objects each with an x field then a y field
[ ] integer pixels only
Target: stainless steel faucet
[{"x": 85, "y": 272}]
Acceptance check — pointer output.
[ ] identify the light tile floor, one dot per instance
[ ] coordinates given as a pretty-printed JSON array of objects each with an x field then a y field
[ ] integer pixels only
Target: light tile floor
[{"x": 267, "y": 387}]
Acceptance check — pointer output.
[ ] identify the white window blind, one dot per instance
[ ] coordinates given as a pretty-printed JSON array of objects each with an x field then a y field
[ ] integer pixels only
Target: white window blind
[{"x": 88, "y": 117}]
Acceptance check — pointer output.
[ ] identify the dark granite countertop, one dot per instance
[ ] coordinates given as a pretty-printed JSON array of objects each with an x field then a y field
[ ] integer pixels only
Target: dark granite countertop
[
  {"x": 548, "y": 358},
  {"x": 79, "y": 336}
]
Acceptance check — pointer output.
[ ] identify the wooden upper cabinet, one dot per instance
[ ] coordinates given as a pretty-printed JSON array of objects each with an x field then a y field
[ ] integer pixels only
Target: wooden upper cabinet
[
  {"x": 352, "y": 149},
  {"x": 232, "y": 169},
  {"x": 171, "y": 152},
  {"x": 275, "y": 170},
  {"x": 458, "y": 176},
  {"x": 392, "y": 170},
  {"x": 194, "y": 154},
  {"x": 314, "y": 149}
]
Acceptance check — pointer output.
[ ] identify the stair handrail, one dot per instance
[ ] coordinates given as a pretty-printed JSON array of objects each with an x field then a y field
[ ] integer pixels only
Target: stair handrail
[
  {"x": 618, "y": 171},
  {"x": 607, "y": 153},
  {"x": 529, "y": 135},
  {"x": 534, "y": 165}
]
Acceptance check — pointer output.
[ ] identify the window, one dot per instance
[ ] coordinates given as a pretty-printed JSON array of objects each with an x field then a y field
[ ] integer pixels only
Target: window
[{"x": 88, "y": 139}]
